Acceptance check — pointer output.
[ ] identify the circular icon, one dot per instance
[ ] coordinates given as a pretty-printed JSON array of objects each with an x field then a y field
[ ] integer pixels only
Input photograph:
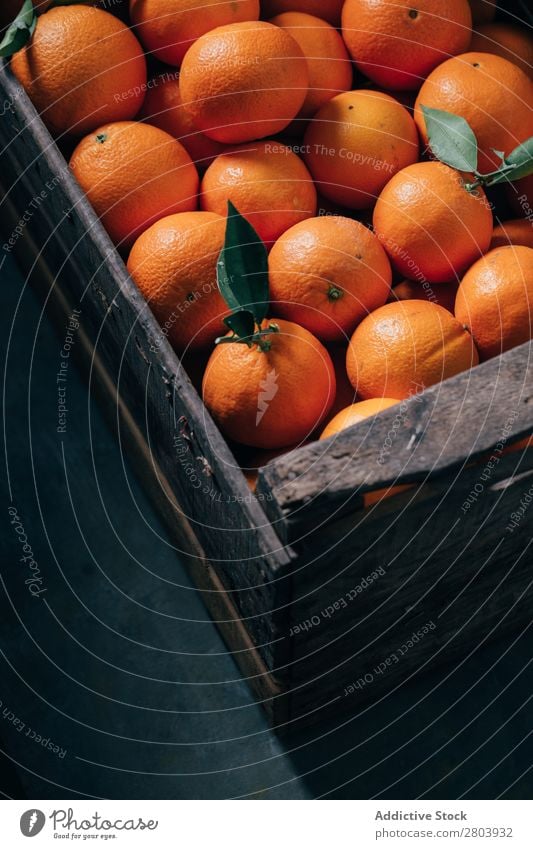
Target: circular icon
[{"x": 32, "y": 822}]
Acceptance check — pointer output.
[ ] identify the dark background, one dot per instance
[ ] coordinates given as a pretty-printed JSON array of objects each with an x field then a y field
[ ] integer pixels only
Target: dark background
[{"x": 119, "y": 665}]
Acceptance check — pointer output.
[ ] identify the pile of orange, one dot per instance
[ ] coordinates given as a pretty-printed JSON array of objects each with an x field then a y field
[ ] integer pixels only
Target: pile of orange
[{"x": 388, "y": 270}]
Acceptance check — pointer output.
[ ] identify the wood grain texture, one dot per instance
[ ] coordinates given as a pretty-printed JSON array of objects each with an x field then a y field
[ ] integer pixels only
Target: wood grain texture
[
  {"x": 448, "y": 553},
  {"x": 428, "y": 435}
]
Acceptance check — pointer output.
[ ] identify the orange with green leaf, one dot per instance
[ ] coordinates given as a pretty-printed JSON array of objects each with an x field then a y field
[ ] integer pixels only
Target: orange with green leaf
[
  {"x": 269, "y": 382},
  {"x": 80, "y": 66},
  {"x": 492, "y": 94}
]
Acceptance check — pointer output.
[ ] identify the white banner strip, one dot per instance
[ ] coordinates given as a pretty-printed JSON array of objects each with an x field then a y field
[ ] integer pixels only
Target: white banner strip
[{"x": 203, "y": 824}]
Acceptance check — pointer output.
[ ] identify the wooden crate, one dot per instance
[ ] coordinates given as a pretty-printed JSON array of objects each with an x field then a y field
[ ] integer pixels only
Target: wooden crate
[{"x": 324, "y": 603}]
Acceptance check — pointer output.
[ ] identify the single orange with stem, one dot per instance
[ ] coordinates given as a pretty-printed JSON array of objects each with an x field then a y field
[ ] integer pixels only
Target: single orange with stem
[
  {"x": 269, "y": 383},
  {"x": 430, "y": 223},
  {"x": 134, "y": 174},
  {"x": 273, "y": 392},
  {"x": 492, "y": 94},
  {"x": 327, "y": 274},
  {"x": 356, "y": 142}
]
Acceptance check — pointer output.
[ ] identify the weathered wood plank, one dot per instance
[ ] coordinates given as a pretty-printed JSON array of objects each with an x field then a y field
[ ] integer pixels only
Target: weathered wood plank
[
  {"x": 430, "y": 524},
  {"x": 428, "y": 435},
  {"x": 504, "y": 609},
  {"x": 467, "y": 569}
]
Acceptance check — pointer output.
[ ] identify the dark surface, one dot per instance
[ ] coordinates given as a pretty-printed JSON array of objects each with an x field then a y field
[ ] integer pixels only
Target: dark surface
[{"x": 118, "y": 664}]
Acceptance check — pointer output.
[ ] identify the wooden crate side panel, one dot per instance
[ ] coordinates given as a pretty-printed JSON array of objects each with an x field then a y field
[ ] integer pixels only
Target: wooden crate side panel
[
  {"x": 150, "y": 381},
  {"x": 430, "y": 434},
  {"x": 464, "y": 576},
  {"x": 395, "y": 659},
  {"x": 428, "y": 525}
]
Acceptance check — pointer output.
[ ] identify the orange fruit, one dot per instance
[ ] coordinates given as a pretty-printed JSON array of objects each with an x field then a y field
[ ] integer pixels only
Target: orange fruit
[
  {"x": 244, "y": 81},
  {"x": 492, "y": 94},
  {"x": 483, "y": 11},
  {"x": 511, "y": 42},
  {"x": 167, "y": 28},
  {"x": 267, "y": 183},
  {"x": 327, "y": 274},
  {"x": 174, "y": 264},
  {"x": 356, "y": 413},
  {"x": 356, "y": 143},
  {"x": 274, "y": 398},
  {"x": 495, "y": 300},
  {"x": 134, "y": 174},
  {"x": 402, "y": 348},
  {"x": 415, "y": 290},
  {"x": 82, "y": 68},
  {"x": 396, "y": 44},
  {"x": 430, "y": 225},
  {"x": 518, "y": 231},
  {"x": 163, "y": 108},
  {"x": 328, "y": 10},
  {"x": 330, "y": 68}
]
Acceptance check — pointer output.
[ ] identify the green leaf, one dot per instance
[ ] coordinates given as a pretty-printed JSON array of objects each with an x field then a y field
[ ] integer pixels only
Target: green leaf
[
  {"x": 451, "y": 139},
  {"x": 20, "y": 31},
  {"x": 518, "y": 164},
  {"x": 242, "y": 267},
  {"x": 242, "y": 323}
]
